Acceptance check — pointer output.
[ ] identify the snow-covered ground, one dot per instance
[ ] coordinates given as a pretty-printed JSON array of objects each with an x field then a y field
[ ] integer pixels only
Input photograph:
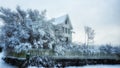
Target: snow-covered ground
[
  {"x": 3, "y": 64},
  {"x": 89, "y": 66},
  {"x": 97, "y": 66}
]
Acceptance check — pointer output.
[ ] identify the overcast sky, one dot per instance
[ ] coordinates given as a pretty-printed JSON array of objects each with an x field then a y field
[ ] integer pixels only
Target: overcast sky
[{"x": 102, "y": 15}]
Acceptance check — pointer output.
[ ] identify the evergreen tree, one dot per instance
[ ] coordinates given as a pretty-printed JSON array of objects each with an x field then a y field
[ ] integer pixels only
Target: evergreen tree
[{"x": 23, "y": 30}]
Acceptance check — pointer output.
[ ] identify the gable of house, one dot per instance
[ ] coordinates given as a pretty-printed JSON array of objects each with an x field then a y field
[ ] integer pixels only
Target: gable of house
[{"x": 63, "y": 20}]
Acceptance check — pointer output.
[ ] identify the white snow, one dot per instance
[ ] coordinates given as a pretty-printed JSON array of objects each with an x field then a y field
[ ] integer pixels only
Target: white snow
[
  {"x": 3, "y": 64},
  {"x": 88, "y": 66},
  {"x": 96, "y": 66},
  {"x": 33, "y": 67}
]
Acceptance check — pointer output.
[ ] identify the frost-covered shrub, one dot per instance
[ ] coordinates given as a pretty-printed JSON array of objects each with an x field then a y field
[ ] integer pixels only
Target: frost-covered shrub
[
  {"x": 41, "y": 61},
  {"x": 109, "y": 49},
  {"x": 67, "y": 49}
]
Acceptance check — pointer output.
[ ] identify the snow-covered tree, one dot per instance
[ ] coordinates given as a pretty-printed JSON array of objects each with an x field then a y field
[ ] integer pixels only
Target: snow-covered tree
[
  {"x": 89, "y": 35},
  {"x": 23, "y": 30}
]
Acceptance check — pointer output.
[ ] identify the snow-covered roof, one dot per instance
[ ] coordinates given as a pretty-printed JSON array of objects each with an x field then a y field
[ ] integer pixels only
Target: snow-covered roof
[{"x": 60, "y": 19}]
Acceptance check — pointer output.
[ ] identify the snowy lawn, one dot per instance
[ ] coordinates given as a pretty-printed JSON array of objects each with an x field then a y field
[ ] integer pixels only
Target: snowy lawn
[
  {"x": 88, "y": 66},
  {"x": 97, "y": 66}
]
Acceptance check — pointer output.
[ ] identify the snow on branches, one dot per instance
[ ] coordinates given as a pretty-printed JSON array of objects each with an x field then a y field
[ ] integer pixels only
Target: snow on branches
[{"x": 23, "y": 30}]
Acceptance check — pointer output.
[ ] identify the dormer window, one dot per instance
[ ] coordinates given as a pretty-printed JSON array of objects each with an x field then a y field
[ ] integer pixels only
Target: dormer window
[{"x": 66, "y": 22}]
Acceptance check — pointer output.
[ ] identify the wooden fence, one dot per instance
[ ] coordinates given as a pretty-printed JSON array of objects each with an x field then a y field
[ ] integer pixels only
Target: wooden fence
[
  {"x": 67, "y": 55},
  {"x": 41, "y": 52}
]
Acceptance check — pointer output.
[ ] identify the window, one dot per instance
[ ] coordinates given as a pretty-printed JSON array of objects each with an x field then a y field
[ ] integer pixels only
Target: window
[
  {"x": 66, "y": 22},
  {"x": 63, "y": 29},
  {"x": 69, "y": 31},
  {"x": 67, "y": 39},
  {"x": 66, "y": 30}
]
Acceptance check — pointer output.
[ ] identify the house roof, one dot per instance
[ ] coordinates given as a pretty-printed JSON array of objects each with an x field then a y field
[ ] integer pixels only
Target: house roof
[{"x": 61, "y": 19}]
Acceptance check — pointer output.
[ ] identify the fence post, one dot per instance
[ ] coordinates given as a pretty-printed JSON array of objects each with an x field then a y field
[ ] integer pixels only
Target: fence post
[{"x": 27, "y": 56}]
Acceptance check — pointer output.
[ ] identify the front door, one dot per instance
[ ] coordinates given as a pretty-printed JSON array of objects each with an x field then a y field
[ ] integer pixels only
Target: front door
[{"x": 66, "y": 39}]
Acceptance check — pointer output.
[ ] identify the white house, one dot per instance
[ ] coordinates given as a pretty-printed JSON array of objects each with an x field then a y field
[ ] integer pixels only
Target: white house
[{"x": 63, "y": 27}]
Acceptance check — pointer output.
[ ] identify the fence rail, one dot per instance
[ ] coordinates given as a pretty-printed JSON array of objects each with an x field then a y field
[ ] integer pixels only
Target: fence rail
[{"x": 41, "y": 52}]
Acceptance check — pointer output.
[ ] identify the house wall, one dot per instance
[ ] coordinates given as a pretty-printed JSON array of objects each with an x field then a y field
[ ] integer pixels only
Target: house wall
[{"x": 65, "y": 31}]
